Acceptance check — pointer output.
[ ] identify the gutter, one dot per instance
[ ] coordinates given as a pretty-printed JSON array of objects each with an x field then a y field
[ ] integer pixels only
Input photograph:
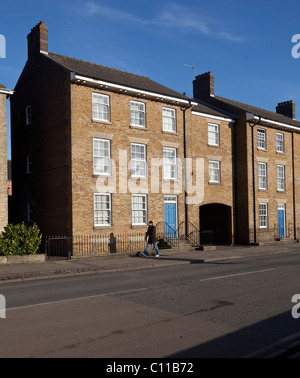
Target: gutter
[
  {"x": 6, "y": 92},
  {"x": 121, "y": 88},
  {"x": 260, "y": 119}
]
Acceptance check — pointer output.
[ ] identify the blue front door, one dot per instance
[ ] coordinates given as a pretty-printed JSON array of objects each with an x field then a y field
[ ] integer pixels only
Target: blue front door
[
  {"x": 170, "y": 219},
  {"x": 281, "y": 222}
]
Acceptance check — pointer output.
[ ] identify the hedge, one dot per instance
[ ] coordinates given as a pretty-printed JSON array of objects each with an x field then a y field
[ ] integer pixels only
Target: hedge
[{"x": 17, "y": 239}]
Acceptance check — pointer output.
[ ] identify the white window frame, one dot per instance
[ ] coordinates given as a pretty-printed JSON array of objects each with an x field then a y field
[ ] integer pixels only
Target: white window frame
[
  {"x": 169, "y": 120},
  {"x": 280, "y": 142},
  {"x": 143, "y": 210},
  {"x": 138, "y": 164},
  {"x": 213, "y": 134},
  {"x": 108, "y": 210},
  {"x": 262, "y": 176},
  {"x": 28, "y": 115},
  {"x": 138, "y": 114},
  {"x": 101, "y": 107},
  {"x": 261, "y": 141},
  {"x": 170, "y": 166},
  {"x": 280, "y": 178},
  {"x": 263, "y": 215},
  {"x": 97, "y": 168},
  {"x": 214, "y": 171}
]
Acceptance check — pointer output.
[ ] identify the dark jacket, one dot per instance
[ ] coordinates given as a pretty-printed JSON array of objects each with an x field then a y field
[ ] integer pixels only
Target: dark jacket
[{"x": 151, "y": 233}]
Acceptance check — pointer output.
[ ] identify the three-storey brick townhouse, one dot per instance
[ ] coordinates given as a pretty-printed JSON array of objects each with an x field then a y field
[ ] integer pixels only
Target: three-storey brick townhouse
[
  {"x": 267, "y": 172},
  {"x": 4, "y": 93},
  {"x": 97, "y": 150}
]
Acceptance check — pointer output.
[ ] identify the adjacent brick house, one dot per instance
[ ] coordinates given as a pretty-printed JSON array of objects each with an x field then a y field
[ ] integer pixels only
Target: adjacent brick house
[
  {"x": 4, "y": 93},
  {"x": 267, "y": 177},
  {"x": 97, "y": 150}
]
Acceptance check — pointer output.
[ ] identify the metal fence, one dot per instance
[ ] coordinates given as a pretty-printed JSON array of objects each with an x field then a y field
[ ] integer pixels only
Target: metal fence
[
  {"x": 66, "y": 247},
  {"x": 273, "y": 233},
  {"x": 93, "y": 245}
]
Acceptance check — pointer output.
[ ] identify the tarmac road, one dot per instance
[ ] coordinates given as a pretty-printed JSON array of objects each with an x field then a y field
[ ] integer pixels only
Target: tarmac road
[{"x": 228, "y": 308}]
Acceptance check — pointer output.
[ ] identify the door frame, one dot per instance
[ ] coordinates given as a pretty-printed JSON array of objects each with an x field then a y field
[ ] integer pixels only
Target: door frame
[
  {"x": 282, "y": 207},
  {"x": 174, "y": 200}
]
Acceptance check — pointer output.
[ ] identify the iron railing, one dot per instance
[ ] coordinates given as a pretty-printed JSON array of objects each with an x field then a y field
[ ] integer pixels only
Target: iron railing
[
  {"x": 93, "y": 245},
  {"x": 167, "y": 237},
  {"x": 273, "y": 233},
  {"x": 104, "y": 244}
]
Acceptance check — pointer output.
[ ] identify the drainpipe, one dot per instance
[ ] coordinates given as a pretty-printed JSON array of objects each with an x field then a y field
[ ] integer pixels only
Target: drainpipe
[
  {"x": 253, "y": 179},
  {"x": 294, "y": 194},
  {"x": 253, "y": 183},
  {"x": 185, "y": 156}
]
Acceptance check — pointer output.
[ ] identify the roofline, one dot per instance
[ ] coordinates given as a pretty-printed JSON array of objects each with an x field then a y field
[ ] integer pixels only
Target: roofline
[
  {"x": 79, "y": 78},
  {"x": 250, "y": 116},
  {"x": 200, "y": 114},
  {"x": 7, "y": 92}
]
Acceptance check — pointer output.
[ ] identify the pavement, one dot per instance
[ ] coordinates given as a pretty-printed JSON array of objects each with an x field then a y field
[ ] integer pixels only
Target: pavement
[{"x": 121, "y": 262}]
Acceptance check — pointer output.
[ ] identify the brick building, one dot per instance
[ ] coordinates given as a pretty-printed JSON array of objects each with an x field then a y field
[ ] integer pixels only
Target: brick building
[
  {"x": 267, "y": 177},
  {"x": 4, "y": 93},
  {"x": 97, "y": 150}
]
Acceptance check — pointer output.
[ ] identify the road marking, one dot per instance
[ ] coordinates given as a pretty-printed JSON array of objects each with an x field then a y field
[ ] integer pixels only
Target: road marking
[
  {"x": 77, "y": 299},
  {"x": 237, "y": 274}
]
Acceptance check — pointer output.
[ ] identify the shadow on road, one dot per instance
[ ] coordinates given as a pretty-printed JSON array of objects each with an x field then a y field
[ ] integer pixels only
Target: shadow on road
[{"x": 275, "y": 337}]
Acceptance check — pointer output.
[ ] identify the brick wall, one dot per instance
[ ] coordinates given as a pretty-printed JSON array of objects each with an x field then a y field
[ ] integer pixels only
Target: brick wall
[
  {"x": 271, "y": 196},
  {"x": 199, "y": 148},
  {"x": 45, "y": 87},
  {"x": 121, "y": 135}
]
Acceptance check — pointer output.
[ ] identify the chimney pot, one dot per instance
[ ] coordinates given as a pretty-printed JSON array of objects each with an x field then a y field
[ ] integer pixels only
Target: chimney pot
[
  {"x": 204, "y": 86},
  {"x": 286, "y": 108},
  {"x": 37, "y": 40}
]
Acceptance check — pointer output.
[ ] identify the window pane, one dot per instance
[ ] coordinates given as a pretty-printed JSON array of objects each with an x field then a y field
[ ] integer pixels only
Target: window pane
[
  {"x": 137, "y": 113},
  {"x": 138, "y": 160},
  {"x": 101, "y": 156},
  {"x": 169, "y": 163},
  {"x": 102, "y": 210},
  {"x": 213, "y": 134},
  {"x": 262, "y": 176},
  {"x": 279, "y": 143},
  {"x": 101, "y": 109},
  {"x": 214, "y": 171},
  {"x": 263, "y": 215},
  {"x": 280, "y": 177},
  {"x": 261, "y": 139},
  {"x": 139, "y": 209},
  {"x": 169, "y": 120}
]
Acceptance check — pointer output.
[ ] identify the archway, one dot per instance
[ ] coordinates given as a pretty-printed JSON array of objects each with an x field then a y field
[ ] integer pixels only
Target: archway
[{"x": 215, "y": 224}]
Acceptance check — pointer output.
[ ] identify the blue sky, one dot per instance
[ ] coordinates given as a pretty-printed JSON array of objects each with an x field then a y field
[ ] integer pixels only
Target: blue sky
[{"x": 245, "y": 44}]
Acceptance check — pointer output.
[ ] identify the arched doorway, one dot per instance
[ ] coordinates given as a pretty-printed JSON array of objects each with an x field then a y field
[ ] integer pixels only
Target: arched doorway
[{"x": 215, "y": 224}]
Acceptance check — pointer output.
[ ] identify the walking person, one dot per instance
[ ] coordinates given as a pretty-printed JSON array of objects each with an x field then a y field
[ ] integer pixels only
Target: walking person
[{"x": 151, "y": 235}]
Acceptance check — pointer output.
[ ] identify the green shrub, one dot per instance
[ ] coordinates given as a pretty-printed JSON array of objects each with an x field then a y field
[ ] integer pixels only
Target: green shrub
[{"x": 17, "y": 239}]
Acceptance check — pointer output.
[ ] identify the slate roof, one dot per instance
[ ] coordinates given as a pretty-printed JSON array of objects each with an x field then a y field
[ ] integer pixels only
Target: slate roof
[
  {"x": 273, "y": 116},
  {"x": 203, "y": 107},
  {"x": 114, "y": 76}
]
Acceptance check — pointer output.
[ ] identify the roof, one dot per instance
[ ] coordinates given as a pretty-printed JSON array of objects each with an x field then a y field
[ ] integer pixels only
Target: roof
[
  {"x": 273, "y": 116},
  {"x": 114, "y": 76},
  {"x": 208, "y": 109}
]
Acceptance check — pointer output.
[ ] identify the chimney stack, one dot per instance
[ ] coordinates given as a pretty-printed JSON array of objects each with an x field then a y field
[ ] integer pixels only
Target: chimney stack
[
  {"x": 37, "y": 40},
  {"x": 286, "y": 108},
  {"x": 204, "y": 86}
]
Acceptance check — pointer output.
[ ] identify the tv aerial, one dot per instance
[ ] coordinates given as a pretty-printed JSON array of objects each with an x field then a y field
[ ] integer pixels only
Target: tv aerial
[{"x": 193, "y": 67}]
